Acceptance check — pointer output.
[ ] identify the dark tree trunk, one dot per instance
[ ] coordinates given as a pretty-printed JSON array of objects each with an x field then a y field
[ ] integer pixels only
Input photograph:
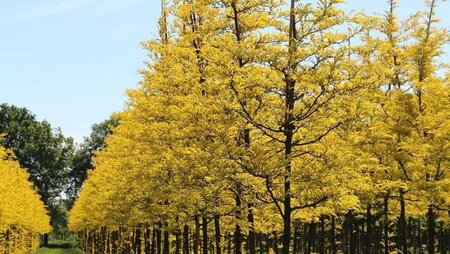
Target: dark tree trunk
[
  {"x": 177, "y": 242},
  {"x": 261, "y": 245},
  {"x": 351, "y": 233},
  {"x": 132, "y": 242},
  {"x": 237, "y": 230},
  {"x": 45, "y": 240},
  {"x": 431, "y": 231},
  {"x": 229, "y": 243},
  {"x": 115, "y": 241},
  {"x": 158, "y": 239},
  {"x": 386, "y": 224},
  {"x": 322, "y": 235},
  {"x": 251, "y": 230},
  {"x": 275, "y": 242},
  {"x": 296, "y": 231},
  {"x": 311, "y": 234},
  {"x": 153, "y": 249},
  {"x": 217, "y": 233},
  {"x": 205, "y": 234},
  {"x": 333, "y": 235},
  {"x": 288, "y": 128},
  {"x": 186, "y": 239},
  {"x": 147, "y": 241},
  {"x": 137, "y": 241},
  {"x": 369, "y": 233},
  {"x": 402, "y": 225},
  {"x": 196, "y": 234},
  {"x": 166, "y": 248}
]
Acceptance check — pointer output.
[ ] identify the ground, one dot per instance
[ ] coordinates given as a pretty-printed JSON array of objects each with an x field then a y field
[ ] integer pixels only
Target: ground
[
  {"x": 58, "y": 251},
  {"x": 59, "y": 247}
]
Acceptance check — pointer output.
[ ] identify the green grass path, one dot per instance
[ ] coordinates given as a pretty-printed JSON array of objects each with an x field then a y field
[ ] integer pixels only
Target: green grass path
[{"x": 58, "y": 251}]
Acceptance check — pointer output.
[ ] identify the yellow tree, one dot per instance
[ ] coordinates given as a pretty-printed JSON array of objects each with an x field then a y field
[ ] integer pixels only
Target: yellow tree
[
  {"x": 23, "y": 216},
  {"x": 288, "y": 82}
]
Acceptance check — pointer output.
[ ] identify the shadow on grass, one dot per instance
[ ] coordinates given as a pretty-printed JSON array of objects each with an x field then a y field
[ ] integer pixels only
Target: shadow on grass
[{"x": 59, "y": 246}]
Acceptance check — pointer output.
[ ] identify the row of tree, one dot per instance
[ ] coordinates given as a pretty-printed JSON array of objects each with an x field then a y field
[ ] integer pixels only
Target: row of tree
[
  {"x": 23, "y": 217},
  {"x": 284, "y": 126},
  {"x": 56, "y": 166}
]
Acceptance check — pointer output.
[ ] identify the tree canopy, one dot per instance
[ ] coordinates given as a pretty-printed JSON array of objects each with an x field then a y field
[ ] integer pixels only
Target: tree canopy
[{"x": 269, "y": 117}]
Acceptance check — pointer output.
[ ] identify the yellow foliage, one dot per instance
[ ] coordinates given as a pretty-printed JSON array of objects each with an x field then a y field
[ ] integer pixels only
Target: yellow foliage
[{"x": 23, "y": 216}]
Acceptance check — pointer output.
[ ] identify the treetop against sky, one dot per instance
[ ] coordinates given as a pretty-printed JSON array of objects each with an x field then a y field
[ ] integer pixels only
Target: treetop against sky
[{"x": 69, "y": 61}]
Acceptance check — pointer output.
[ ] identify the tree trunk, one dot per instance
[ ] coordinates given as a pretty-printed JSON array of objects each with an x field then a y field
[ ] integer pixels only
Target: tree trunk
[
  {"x": 237, "y": 230},
  {"x": 153, "y": 249},
  {"x": 217, "y": 233},
  {"x": 351, "y": 233},
  {"x": 251, "y": 230},
  {"x": 386, "y": 224},
  {"x": 115, "y": 241},
  {"x": 45, "y": 240},
  {"x": 296, "y": 231},
  {"x": 166, "y": 248},
  {"x": 158, "y": 239},
  {"x": 311, "y": 234},
  {"x": 322, "y": 235},
  {"x": 205, "y": 234},
  {"x": 289, "y": 133},
  {"x": 368, "y": 247},
  {"x": 229, "y": 243},
  {"x": 177, "y": 242},
  {"x": 186, "y": 239},
  {"x": 275, "y": 242},
  {"x": 431, "y": 231},
  {"x": 196, "y": 234},
  {"x": 402, "y": 225},
  {"x": 137, "y": 241},
  {"x": 147, "y": 240},
  {"x": 333, "y": 235}
]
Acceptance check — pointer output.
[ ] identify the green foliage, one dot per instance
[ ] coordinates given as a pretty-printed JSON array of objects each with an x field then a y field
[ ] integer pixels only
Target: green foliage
[
  {"x": 43, "y": 151},
  {"x": 84, "y": 153}
]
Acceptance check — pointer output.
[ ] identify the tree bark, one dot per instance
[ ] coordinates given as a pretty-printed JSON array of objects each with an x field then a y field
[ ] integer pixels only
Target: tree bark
[
  {"x": 369, "y": 233},
  {"x": 205, "y": 234},
  {"x": 402, "y": 224},
  {"x": 147, "y": 240},
  {"x": 386, "y": 224},
  {"x": 351, "y": 233},
  {"x": 217, "y": 233},
  {"x": 166, "y": 248},
  {"x": 333, "y": 235},
  {"x": 275, "y": 242},
  {"x": 153, "y": 249},
  {"x": 186, "y": 239},
  {"x": 177, "y": 241},
  {"x": 322, "y": 235},
  {"x": 196, "y": 234},
  {"x": 289, "y": 133},
  {"x": 237, "y": 230},
  {"x": 296, "y": 231},
  {"x": 158, "y": 239},
  {"x": 431, "y": 231},
  {"x": 251, "y": 230}
]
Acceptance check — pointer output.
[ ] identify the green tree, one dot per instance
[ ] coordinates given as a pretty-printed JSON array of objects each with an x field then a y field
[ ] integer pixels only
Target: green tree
[
  {"x": 45, "y": 152},
  {"x": 82, "y": 157}
]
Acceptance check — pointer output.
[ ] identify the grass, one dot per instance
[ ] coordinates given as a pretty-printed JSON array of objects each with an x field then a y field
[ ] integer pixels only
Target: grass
[
  {"x": 59, "y": 247},
  {"x": 58, "y": 251}
]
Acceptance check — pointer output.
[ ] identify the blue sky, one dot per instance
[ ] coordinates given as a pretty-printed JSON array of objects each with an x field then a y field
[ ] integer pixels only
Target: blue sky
[{"x": 70, "y": 61}]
